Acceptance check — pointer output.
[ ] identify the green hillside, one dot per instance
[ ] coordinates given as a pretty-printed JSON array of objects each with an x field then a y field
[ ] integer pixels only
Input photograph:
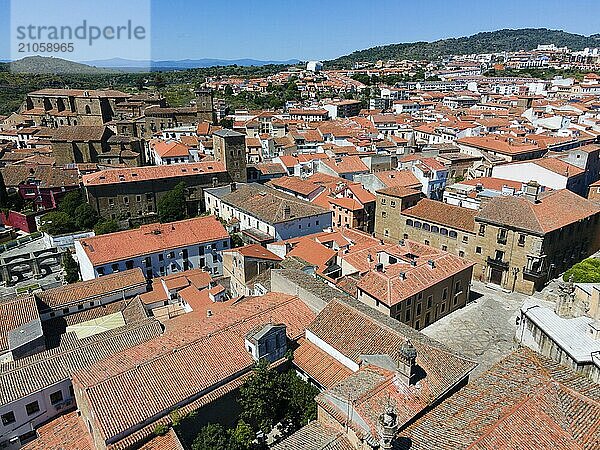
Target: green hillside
[{"x": 487, "y": 42}]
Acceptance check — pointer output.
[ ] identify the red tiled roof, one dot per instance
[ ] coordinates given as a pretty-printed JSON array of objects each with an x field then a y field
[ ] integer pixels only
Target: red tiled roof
[
  {"x": 524, "y": 401},
  {"x": 398, "y": 178},
  {"x": 319, "y": 365},
  {"x": 171, "y": 149},
  {"x": 64, "y": 432},
  {"x": 552, "y": 211},
  {"x": 182, "y": 364},
  {"x": 254, "y": 251},
  {"x": 389, "y": 288},
  {"x": 152, "y": 238},
  {"x": 134, "y": 174},
  {"x": 443, "y": 214}
]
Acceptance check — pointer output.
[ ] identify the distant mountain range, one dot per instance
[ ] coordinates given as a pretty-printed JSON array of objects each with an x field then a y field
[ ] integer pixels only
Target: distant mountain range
[
  {"x": 487, "y": 42},
  {"x": 52, "y": 65},
  {"x": 128, "y": 64}
]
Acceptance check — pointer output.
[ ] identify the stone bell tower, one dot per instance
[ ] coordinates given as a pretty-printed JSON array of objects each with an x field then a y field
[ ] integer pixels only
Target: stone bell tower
[{"x": 204, "y": 105}]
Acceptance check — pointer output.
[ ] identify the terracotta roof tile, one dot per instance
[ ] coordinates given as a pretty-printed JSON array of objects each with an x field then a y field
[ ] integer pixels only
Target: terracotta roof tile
[{"x": 152, "y": 238}]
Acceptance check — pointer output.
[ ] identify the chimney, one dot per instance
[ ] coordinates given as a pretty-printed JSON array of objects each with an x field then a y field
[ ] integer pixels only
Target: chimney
[
  {"x": 407, "y": 363},
  {"x": 387, "y": 427},
  {"x": 531, "y": 191},
  {"x": 402, "y": 275},
  {"x": 413, "y": 263},
  {"x": 209, "y": 313},
  {"x": 593, "y": 330},
  {"x": 431, "y": 263},
  {"x": 379, "y": 267}
]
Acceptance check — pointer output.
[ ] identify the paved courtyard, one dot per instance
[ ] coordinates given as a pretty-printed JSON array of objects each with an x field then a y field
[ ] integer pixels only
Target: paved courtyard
[{"x": 484, "y": 329}]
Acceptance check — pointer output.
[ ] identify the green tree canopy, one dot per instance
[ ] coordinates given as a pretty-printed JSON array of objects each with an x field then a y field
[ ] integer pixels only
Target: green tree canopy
[
  {"x": 171, "y": 206},
  {"x": 586, "y": 271},
  {"x": 211, "y": 437},
  {"x": 70, "y": 202},
  {"x": 262, "y": 398},
  {"x": 57, "y": 222},
  {"x": 86, "y": 217},
  {"x": 105, "y": 226},
  {"x": 71, "y": 268}
]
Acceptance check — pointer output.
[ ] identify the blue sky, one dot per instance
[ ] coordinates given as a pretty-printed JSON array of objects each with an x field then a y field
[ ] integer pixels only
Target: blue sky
[{"x": 325, "y": 29}]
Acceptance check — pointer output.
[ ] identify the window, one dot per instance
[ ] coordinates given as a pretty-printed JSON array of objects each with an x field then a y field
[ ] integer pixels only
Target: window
[
  {"x": 126, "y": 200},
  {"x": 521, "y": 242},
  {"x": 65, "y": 310},
  {"x": 383, "y": 201},
  {"x": 417, "y": 324},
  {"x": 445, "y": 294},
  {"x": 478, "y": 250},
  {"x": 8, "y": 418},
  {"x": 161, "y": 257},
  {"x": 461, "y": 253},
  {"x": 56, "y": 397},
  {"x": 426, "y": 242},
  {"x": 426, "y": 227},
  {"x": 129, "y": 264},
  {"x": 502, "y": 234},
  {"x": 482, "y": 230},
  {"x": 115, "y": 267},
  {"x": 215, "y": 258},
  {"x": 171, "y": 255},
  {"x": 465, "y": 239},
  {"x": 443, "y": 232},
  {"x": 138, "y": 198},
  {"x": 443, "y": 308},
  {"x": 417, "y": 224},
  {"x": 429, "y": 301},
  {"x": 435, "y": 229},
  {"x": 458, "y": 287},
  {"x": 409, "y": 222},
  {"x": 453, "y": 234},
  {"x": 393, "y": 203},
  {"x": 418, "y": 309},
  {"x": 499, "y": 255},
  {"x": 407, "y": 319},
  {"x": 386, "y": 232},
  {"x": 383, "y": 214},
  {"x": 80, "y": 306},
  {"x": 32, "y": 408},
  {"x": 445, "y": 248}
]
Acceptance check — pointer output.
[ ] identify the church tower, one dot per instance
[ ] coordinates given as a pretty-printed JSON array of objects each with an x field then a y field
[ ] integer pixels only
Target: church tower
[
  {"x": 204, "y": 105},
  {"x": 230, "y": 148}
]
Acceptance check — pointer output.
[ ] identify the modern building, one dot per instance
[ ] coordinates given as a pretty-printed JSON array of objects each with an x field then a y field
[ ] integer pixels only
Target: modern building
[{"x": 157, "y": 249}]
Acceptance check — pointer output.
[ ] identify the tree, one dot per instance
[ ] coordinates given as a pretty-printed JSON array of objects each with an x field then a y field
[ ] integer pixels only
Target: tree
[
  {"x": 70, "y": 202},
  {"x": 262, "y": 398},
  {"x": 57, "y": 222},
  {"x": 86, "y": 217},
  {"x": 586, "y": 271},
  {"x": 301, "y": 407},
  {"x": 106, "y": 226},
  {"x": 171, "y": 206},
  {"x": 241, "y": 437},
  {"x": 71, "y": 268},
  {"x": 211, "y": 437}
]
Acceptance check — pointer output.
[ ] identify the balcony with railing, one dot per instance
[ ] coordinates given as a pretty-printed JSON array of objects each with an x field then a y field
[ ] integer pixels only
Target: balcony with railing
[{"x": 499, "y": 263}]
